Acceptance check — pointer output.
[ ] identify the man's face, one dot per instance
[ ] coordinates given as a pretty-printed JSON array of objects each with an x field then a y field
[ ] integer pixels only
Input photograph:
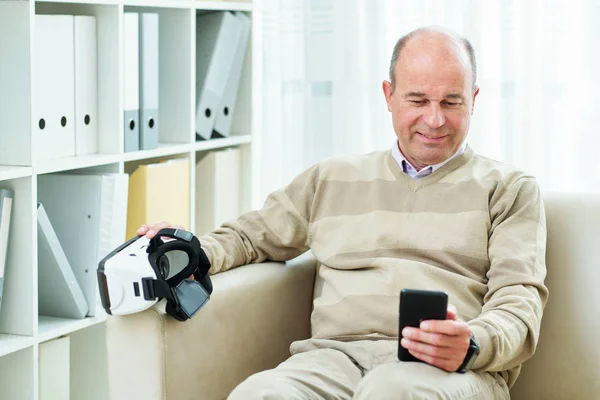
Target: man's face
[{"x": 432, "y": 101}]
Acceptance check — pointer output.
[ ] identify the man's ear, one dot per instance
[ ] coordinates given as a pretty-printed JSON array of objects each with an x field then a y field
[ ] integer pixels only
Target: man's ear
[
  {"x": 387, "y": 92},
  {"x": 475, "y": 93}
]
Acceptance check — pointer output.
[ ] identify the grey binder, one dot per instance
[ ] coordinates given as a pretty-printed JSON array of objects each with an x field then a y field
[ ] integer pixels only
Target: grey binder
[
  {"x": 217, "y": 38},
  {"x": 148, "y": 56},
  {"x": 131, "y": 62},
  {"x": 6, "y": 202},
  {"x": 59, "y": 294},
  {"x": 228, "y": 100}
]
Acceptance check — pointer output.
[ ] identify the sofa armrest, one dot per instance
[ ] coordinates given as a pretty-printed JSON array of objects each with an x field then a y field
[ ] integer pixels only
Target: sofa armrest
[
  {"x": 254, "y": 314},
  {"x": 567, "y": 360}
]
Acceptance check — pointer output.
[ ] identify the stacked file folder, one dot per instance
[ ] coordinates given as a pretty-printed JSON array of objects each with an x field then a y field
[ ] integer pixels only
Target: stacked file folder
[
  {"x": 59, "y": 292},
  {"x": 65, "y": 101},
  {"x": 218, "y": 187},
  {"x": 6, "y": 205},
  {"x": 159, "y": 192},
  {"x": 221, "y": 44},
  {"x": 141, "y": 72},
  {"x": 88, "y": 214}
]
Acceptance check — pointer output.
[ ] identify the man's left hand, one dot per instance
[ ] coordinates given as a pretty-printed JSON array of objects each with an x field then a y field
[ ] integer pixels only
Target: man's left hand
[{"x": 441, "y": 343}]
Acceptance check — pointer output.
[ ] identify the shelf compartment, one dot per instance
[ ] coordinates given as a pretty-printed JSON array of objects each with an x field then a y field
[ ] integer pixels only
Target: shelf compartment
[
  {"x": 108, "y": 67},
  {"x": 53, "y": 368},
  {"x": 15, "y": 81},
  {"x": 241, "y": 118},
  {"x": 13, "y": 343},
  {"x": 19, "y": 304},
  {"x": 52, "y": 327},
  {"x": 175, "y": 83},
  {"x": 17, "y": 372},
  {"x": 89, "y": 364}
]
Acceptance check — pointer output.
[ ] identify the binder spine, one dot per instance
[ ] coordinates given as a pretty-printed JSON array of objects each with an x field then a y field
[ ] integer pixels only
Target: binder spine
[
  {"x": 6, "y": 203},
  {"x": 148, "y": 77},
  {"x": 131, "y": 123}
]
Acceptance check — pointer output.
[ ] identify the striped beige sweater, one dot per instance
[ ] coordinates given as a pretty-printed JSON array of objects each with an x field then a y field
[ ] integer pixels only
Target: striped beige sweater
[{"x": 475, "y": 228}]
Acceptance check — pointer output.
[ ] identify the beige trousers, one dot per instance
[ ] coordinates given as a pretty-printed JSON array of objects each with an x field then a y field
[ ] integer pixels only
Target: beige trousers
[{"x": 363, "y": 370}]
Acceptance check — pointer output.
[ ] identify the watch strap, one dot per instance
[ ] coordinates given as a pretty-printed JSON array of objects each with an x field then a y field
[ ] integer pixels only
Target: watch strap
[{"x": 470, "y": 357}]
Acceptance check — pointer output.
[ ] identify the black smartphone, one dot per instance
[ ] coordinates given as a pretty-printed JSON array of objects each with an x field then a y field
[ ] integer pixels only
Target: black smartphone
[{"x": 416, "y": 306}]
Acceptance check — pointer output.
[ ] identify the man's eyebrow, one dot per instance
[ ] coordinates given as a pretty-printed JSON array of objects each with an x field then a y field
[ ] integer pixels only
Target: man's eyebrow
[
  {"x": 455, "y": 96},
  {"x": 421, "y": 94},
  {"x": 414, "y": 94}
]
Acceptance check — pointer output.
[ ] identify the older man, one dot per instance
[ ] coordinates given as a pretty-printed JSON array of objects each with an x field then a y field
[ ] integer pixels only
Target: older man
[{"x": 427, "y": 214}]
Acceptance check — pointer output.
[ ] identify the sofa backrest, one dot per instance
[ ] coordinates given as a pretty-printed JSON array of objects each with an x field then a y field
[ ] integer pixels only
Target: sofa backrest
[{"x": 566, "y": 364}]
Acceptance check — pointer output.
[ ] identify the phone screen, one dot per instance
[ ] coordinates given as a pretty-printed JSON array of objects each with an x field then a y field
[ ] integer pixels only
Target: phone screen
[{"x": 417, "y": 306}]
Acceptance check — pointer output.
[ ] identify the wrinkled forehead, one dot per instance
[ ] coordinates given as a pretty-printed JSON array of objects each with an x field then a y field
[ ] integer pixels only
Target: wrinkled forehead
[
  {"x": 436, "y": 58},
  {"x": 430, "y": 67}
]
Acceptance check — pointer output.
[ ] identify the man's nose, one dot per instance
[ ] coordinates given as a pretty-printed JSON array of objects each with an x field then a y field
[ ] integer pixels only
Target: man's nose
[{"x": 434, "y": 116}]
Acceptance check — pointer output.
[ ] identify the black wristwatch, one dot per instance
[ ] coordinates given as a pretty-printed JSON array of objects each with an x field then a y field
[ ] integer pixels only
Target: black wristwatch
[{"x": 471, "y": 356}]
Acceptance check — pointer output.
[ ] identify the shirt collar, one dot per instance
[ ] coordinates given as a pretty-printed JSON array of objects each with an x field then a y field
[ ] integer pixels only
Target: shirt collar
[{"x": 411, "y": 171}]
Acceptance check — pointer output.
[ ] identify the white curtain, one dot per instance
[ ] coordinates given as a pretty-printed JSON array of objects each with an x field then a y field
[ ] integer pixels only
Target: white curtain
[{"x": 324, "y": 61}]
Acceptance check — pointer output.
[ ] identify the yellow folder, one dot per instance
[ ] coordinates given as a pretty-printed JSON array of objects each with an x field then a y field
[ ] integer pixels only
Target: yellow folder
[{"x": 159, "y": 192}]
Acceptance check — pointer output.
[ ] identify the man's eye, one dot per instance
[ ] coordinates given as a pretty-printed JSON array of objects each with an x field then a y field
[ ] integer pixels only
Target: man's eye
[
  {"x": 451, "y": 104},
  {"x": 417, "y": 101}
]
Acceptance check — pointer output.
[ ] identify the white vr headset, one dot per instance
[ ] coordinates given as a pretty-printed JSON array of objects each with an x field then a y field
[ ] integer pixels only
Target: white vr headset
[{"x": 142, "y": 271}]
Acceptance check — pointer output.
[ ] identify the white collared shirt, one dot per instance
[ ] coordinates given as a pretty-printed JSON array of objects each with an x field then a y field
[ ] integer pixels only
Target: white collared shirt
[{"x": 411, "y": 171}]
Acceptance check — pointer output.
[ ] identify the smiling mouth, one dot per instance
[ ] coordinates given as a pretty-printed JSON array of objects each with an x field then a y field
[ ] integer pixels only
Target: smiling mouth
[{"x": 435, "y": 138}]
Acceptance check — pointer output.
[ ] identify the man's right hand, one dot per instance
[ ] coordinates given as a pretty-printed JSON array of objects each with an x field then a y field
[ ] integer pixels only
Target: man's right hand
[{"x": 150, "y": 230}]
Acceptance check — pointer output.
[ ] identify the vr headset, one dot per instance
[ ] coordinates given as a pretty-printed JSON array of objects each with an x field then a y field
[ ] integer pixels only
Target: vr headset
[{"x": 142, "y": 271}]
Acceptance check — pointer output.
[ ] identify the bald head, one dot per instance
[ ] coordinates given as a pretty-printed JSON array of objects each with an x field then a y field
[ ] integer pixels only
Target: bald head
[{"x": 439, "y": 42}]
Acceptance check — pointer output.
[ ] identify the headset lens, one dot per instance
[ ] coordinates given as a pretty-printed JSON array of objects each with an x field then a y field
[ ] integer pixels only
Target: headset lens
[{"x": 171, "y": 263}]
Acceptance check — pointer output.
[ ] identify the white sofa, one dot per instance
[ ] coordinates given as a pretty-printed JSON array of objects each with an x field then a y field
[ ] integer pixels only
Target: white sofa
[{"x": 256, "y": 311}]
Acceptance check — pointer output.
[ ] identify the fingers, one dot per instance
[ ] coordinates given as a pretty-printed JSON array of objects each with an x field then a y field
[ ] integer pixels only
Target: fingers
[
  {"x": 446, "y": 327},
  {"x": 428, "y": 349},
  {"x": 449, "y": 365},
  {"x": 150, "y": 230},
  {"x": 166, "y": 239},
  {"x": 452, "y": 308},
  {"x": 142, "y": 229},
  {"x": 440, "y": 343},
  {"x": 452, "y": 313},
  {"x": 435, "y": 339}
]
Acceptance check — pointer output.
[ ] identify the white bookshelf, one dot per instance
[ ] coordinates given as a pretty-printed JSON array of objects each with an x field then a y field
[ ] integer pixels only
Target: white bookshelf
[
  {"x": 51, "y": 327},
  {"x": 8, "y": 172},
  {"x": 13, "y": 343},
  {"x": 22, "y": 330}
]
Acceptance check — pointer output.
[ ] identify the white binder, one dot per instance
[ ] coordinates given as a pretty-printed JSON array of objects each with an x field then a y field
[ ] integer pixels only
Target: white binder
[
  {"x": 86, "y": 85},
  {"x": 217, "y": 189},
  {"x": 59, "y": 293},
  {"x": 131, "y": 86},
  {"x": 217, "y": 38},
  {"x": 6, "y": 205},
  {"x": 53, "y": 99},
  {"x": 228, "y": 101},
  {"x": 54, "y": 369},
  {"x": 89, "y": 213},
  {"x": 148, "y": 34}
]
